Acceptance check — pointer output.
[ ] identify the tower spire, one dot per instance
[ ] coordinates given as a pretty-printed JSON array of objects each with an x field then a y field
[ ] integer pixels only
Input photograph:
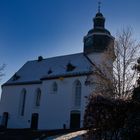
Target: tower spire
[
  {"x": 99, "y": 20},
  {"x": 98, "y": 38},
  {"x": 99, "y": 6}
]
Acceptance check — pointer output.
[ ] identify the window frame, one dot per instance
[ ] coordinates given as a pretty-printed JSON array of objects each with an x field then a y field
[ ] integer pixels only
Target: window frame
[
  {"x": 23, "y": 96},
  {"x": 77, "y": 93},
  {"x": 54, "y": 88},
  {"x": 38, "y": 97}
]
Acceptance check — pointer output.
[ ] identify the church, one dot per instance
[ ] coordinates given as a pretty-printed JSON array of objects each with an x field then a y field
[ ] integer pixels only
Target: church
[{"x": 49, "y": 93}]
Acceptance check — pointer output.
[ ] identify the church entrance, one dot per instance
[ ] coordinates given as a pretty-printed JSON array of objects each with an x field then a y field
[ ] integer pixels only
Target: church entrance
[
  {"x": 5, "y": 119},
  {"x": 34, "y": 121},
  {"x": 74, "y": 119}
]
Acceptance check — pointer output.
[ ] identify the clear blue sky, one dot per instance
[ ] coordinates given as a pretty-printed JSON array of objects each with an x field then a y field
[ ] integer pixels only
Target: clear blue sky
[{"x": 30, "y": 28}]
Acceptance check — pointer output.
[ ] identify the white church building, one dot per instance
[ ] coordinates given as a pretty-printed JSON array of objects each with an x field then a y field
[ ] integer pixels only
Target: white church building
[{"x": 50, "y": 93}]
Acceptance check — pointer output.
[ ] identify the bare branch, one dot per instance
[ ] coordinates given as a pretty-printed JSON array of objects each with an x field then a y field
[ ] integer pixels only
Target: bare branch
[
  {"x": 1, "y": 70},
  {"x": 122, "y": 80}
]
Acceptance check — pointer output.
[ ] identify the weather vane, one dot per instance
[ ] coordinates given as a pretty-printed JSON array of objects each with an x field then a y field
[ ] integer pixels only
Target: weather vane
[{"x": 99, "y": 5}]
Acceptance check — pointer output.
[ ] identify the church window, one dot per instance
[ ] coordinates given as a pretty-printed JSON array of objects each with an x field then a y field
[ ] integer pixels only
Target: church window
[
  {"x": 22, "y": 102},
  {"x": 38, "y": 97},
  {"x": 54, "y": 87},
  {"x": 77, "y": 97}
]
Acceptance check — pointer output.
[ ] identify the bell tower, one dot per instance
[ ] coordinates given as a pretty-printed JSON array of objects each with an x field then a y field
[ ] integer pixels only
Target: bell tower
[{"x": 98, "y": 39}]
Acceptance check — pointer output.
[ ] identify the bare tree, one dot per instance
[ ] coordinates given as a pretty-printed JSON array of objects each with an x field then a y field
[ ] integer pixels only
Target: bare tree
[
  {"x": 117, "y": 79},
  {"x": 127, "y": 51}
]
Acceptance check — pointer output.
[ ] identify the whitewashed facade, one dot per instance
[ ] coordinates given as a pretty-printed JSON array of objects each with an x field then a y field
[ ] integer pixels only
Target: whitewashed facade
[{"x": 50, "y": 93}]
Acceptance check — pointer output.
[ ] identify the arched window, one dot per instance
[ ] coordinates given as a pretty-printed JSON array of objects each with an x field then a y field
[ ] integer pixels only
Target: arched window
[
  {"x": 37, "y": 97},
  {"x": 54, "y": 87},
  {"x": 77, "y": 94},
  {"x": 22, "y": 102}
]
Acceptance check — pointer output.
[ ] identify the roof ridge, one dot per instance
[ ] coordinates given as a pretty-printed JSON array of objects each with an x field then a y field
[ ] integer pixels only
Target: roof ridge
[{"x": 57, "y": 56}]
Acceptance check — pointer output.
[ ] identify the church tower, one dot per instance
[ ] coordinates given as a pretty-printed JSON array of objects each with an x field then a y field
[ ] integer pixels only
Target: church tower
[{"x": 98, "y": 39}]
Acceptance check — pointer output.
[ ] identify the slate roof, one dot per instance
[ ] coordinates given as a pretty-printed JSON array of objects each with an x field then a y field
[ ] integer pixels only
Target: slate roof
[{"x": 36, "y": 71}]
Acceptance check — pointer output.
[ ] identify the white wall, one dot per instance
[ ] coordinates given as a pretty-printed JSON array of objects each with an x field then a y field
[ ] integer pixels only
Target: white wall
[
  {"x": 58, "y": 106},
  {"x": 10, "y": 103},
  {"x": 54, "y": 109}
]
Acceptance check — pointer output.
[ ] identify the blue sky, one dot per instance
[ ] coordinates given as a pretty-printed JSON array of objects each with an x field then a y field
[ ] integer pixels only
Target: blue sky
[{"x": 30, "y": 28}]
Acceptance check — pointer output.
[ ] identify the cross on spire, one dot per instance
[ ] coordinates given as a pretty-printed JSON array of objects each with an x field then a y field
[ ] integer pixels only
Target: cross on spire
[{"x": 99, "y": 6}]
